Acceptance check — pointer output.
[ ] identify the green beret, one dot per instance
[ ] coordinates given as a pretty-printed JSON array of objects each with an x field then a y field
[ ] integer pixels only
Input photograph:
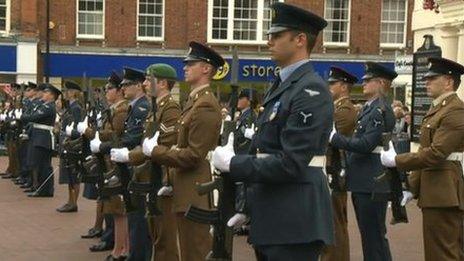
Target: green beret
[{"x": 162, "y": 70}]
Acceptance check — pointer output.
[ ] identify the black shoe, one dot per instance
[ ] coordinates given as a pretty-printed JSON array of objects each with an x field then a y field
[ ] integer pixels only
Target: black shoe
[
  {"x": 101, "y": 246},
  {"x": 3, "y": 173},
  {"x": 25, "y": 186},
  {"x": 8, "y": 176},
  {"x": 29, "y": 190},
  {"x": 20, "y": 182},
  {"x": 67, "y": 209},
  {"x": 93, "y": 233},
  {"x": 40, "y": 195}
]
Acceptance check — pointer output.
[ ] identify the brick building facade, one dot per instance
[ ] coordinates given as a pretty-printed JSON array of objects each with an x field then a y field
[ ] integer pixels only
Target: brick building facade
[{"x": 92, "y": 37}]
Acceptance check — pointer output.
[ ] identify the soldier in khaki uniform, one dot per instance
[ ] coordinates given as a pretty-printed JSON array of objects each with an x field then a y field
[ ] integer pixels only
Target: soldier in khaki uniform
[
  {"x": 437, "y": 177},
  {"x": 340, "y": 84},
  {"x": 159, "y": 82},
  {"x": 199, "y": 128},
  {"x": 112, "y": 126}
]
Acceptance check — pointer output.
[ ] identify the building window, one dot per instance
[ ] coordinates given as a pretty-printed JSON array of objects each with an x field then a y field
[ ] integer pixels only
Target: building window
[
  {"x": 150, "y": 20},
  {"x": 239, "y": 21},
  {"x": 337, "y": 14},
  {"x": 4, "y": 15},
  {"x": 393, "y": 23},
  {"x": 90, "y": 19}
]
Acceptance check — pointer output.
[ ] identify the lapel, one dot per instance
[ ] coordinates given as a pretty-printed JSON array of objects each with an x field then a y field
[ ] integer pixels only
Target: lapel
[
  {"x": 369, "y": 108},
  {"x": 191, "y": 100},
  {"x": 433, "y": 110},
  {"x": 295, "y": 76}
]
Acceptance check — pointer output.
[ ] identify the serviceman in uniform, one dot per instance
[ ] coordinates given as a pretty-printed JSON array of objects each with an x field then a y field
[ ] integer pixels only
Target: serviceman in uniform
[
  {"x": 289, "y": 203},
  {"x": 110, "y": 125},
  {"x": 246, "y": 102},
  {"x": 11, "y": 138},
  {"x": 340, "y": 84},
  {"x": 370, "y": 198},
  {"x": 42, "y": 142},
  {"x": 199, "y": 129},
  {"x": 139, "y": 108},
  {"x": 160, "y": 79},
  {"x": 437, "y": 177},
  {"x": 72, "y": 116}
]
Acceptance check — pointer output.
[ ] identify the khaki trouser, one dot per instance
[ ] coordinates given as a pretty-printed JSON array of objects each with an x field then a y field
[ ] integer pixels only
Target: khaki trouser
[
  {"x": 195, "y": 241},
  {"x": 341, "y": 250},
  {"x": 164, "y": 232},
  {"x": 442, "y": 231},
  {"x": 13, "y": 160}
]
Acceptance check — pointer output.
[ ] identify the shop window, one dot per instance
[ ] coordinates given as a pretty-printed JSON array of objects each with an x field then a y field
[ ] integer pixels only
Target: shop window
[
  {"x": 150, "y": 20},
  {"x": 90, "y": 19}
]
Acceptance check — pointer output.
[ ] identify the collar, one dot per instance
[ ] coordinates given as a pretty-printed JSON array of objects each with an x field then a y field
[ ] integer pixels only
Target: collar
[
  {"x": 288, "y": 70},
  {"x": 114, "y": 105},
  {"x": 245, "y": 110},
  {"x": 197, "y": 90},
  {"x": 440, "y": 98},
  {"x": 132, "y": 103},
  {"x": 341, "y": 99},
  {"x": 369, "y": 102},
  {"x": 159, "y": 99}
]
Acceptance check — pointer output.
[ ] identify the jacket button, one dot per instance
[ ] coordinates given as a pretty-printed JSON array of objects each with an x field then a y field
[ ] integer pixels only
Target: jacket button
[{"x": 428, "y": 125}]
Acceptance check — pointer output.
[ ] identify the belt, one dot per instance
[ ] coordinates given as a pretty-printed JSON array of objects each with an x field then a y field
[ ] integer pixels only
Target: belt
[
  {"x": 47, "y": 128},
  {"x": 317, "y": 161},
  {"x": 377, "y": 150},
  {"x": 457, "y": 156}
]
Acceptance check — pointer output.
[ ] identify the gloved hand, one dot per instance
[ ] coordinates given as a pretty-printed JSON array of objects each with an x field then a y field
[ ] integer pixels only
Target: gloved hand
[
  {"x": 250, "y": 132},
  {"x": 69, "y": 130},
  {"x": 99, "y": 120},
  {"x": 223, "y": 155},
  {"x": 237, "y": 220},
  {"x": 83, "y": 125},
  {"x": 120, "y": 155},
  {"x": 18, "y": 113},
  {"x": 2, "y": 117},
  {"x": 149, "y": 144},
  {"x": 165, "y": 191},
  {"x": 407, "y": 196},
  {"x": 388, "y": 157},
  {"x": 95, "y": 143}
]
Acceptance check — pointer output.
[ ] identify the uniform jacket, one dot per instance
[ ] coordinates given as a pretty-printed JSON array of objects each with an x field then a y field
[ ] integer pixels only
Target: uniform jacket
[
  {"x": 289, "y": 201},
  {"x": 363, "y": 165},
  {"x": 245, "y": 121},
  {"x": 43, "y": 114},
  {"x": 345, "y": 120},
  {"x": 200, "y": 123},
  {"x": 73, "y": 115},
  {"x": 113, "y": 125},
  {"x": 436, "y": 181}
]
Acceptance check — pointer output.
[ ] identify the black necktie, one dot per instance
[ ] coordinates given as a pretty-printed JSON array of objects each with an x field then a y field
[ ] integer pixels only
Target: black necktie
[{"x": 274, "y": 86}]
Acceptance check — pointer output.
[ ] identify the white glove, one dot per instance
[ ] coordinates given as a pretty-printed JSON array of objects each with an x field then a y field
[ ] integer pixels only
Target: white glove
[
  {"x": 223, "y": 155},
  {"x": 407, "y": 196},
  {"x": 99, "y": 120},
  {"x": 83, "y": 125},
  {"x": 120, "y": 155},
  {"x": 250, "y": 132},
  {"x": 18, "y": 113},
  {"x": 69, "y": 129},
  {"x": 237, "y": 220},
  {"x": 388, "y": 157},
  {"x": 95, "y": 143},
  {"x": 149, "y": 144},
  {"x": 2, "y": 117},
  {"x": 165, "y": 191}
]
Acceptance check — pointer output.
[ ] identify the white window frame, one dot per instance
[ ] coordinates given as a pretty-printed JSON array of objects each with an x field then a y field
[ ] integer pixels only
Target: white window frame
[
  {"x": 7, "y": 18},
  {"x": 348, "y": 29},
  {"x": 405, "y": 30},
  {"x": 90, "y": 36},
  {"x": 150, "y": 38},
  {"x": 230, "y": 25}
]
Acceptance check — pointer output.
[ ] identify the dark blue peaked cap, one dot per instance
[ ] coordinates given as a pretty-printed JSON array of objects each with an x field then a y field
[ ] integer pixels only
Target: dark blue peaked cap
[
  {"x": 285, "y": 16},
  {"x": 374, "y": 70}
]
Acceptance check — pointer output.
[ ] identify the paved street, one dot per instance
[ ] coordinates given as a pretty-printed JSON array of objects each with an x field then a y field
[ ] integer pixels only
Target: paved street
[{"x": 31, "y": 228}]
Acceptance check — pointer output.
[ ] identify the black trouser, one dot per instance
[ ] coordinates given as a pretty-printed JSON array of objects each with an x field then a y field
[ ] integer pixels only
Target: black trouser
[
  {"x": 294, "y": 252},
  {"x": 108, "y": 233},
  {"x": 370, "y": 215},
  {"x": 43, "y": 168},
  {"x": 139, "y": 237}
]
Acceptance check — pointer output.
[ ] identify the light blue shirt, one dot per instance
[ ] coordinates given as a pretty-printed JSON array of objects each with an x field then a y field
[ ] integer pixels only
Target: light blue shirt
[{"x": 287, "y": 71}]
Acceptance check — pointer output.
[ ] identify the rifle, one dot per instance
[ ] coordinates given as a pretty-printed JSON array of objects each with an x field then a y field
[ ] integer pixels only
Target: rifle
[
  {"x": 337, "y": 169},
  {"x": 147, "y": 177},
  {"x": 394, "y": 178},
  {"x": 222, "y": 234}
]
